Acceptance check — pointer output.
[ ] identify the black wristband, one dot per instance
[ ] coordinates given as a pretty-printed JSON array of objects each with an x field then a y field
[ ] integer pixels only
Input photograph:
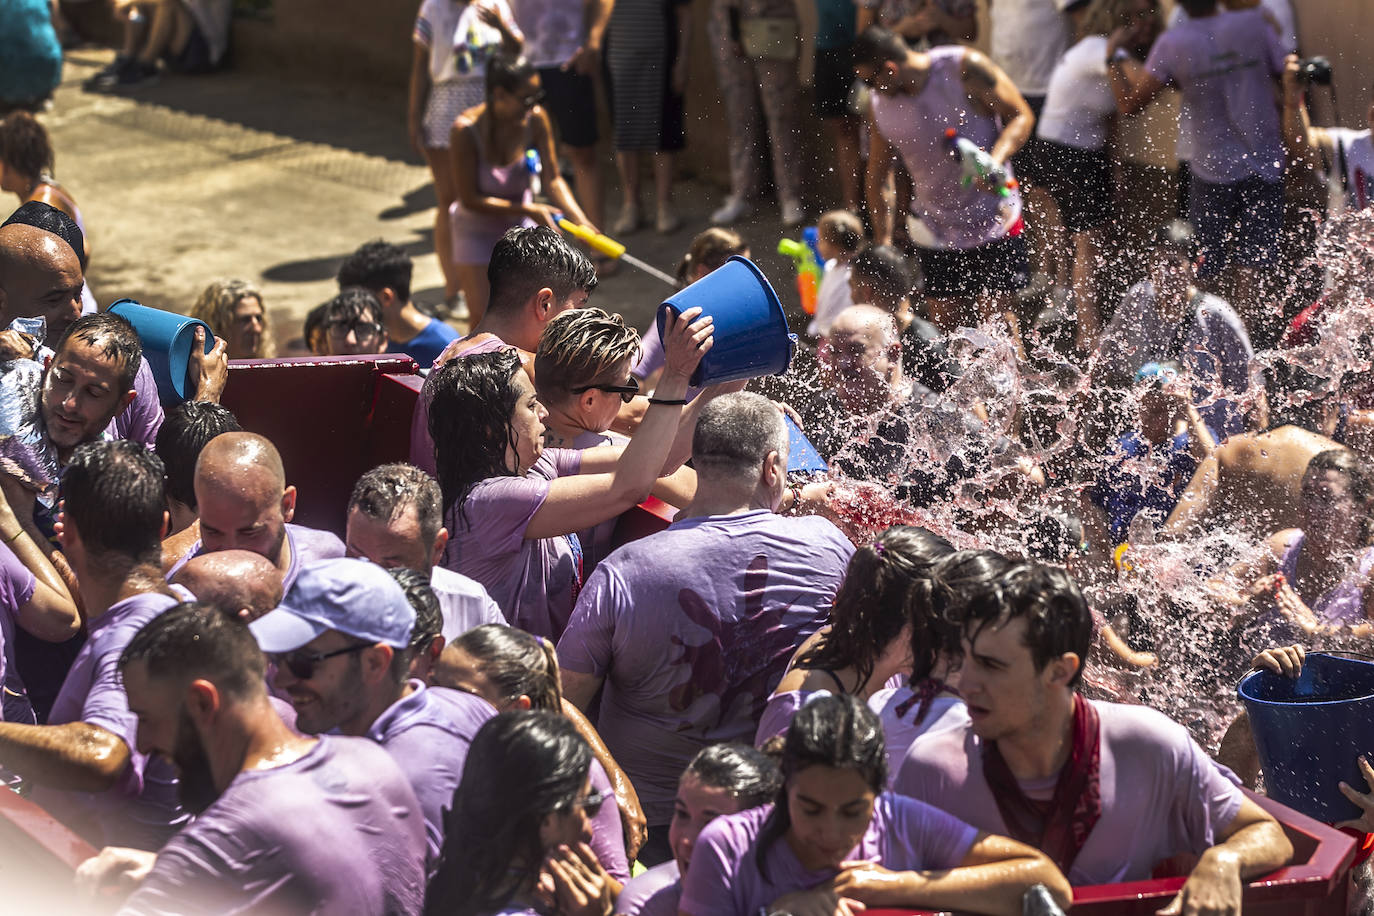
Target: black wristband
[{"x": 669, "y": 402}]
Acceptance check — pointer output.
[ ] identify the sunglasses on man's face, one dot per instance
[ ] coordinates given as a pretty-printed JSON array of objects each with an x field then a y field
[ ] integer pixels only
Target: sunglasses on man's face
[
  {"x": 302, "y": 664},
  {"x": 362, "y": 330},
  {"x": 626, "y": 391}
]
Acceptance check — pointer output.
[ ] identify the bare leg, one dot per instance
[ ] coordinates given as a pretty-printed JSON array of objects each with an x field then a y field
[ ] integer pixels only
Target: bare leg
[
  {"x": 169, "y": 20},
  {"x": 587, "y": 175},
  {"x": 1087, "y": 250},
  {"x": 445, "y": 191},
  {"x": 1001, "y": 306},
  {"x": 1047, "y": 228},
  {"x": 135, "y": 17},
  {"x": 472, "y": 279},
  {"x": 1250, "y": 295},
  {"x": 663, "y": 188},
  {"x": 627, "y": 164},
  {"x": 844, "y": 135}
]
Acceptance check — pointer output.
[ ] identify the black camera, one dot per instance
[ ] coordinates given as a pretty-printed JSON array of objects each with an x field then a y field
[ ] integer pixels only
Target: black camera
[{"x": 1315, "y": 71}]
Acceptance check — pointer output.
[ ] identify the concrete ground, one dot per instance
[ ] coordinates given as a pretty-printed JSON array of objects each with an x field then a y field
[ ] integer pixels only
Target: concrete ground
[{"x": 244, "y": 175}]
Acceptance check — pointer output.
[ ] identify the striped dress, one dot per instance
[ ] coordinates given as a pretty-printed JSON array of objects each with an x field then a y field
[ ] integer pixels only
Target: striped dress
[{"x": 640, "y": 51}]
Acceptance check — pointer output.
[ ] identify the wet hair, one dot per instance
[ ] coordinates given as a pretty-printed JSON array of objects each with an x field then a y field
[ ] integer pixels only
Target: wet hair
[
  {"x": 581, "y": 347},
  {"x": 378, "y": 265},
  {"x": 750, "y": 776},
  {"x": 1057, "y": 616},
  {"x": 526, "y": 260},
  {"x": 876, "y": 45},
  {"x": 24, "y": 145},
  {"x": 114, "y": 337},
  {"x": 885, "y": 588},
  {"x": 837, "y": 731},
  {"x": 429, "y": 620},
  {"x": 43, "y": 216},
  {"x": 887, "y": 272},
  {"x": 522, "y": 767},
  {"x": 734, "y": 433},
  {"x": 215, "y": 306},
  {"x": 842, "y": 229},
  {"x": 1345, "y": 462},
  {"x": 185, "y": 431},
  {"x": 472, "y": 402},
  {"x": 114, "y": 496},
  {"x": 518, "y": 663},
  {"x": 508, "y": 72},
  {"x": 192, "y": 641},
  {"x": 952, "y": 579},
  {"x": 384, "y": 492},
  {"x": 710, "y": 249},
  {"x": 352, "y": 304}
]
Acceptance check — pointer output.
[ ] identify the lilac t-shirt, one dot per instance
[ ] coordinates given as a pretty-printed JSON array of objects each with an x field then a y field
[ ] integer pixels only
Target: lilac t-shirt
[
  {"x": 307, "y": 545},
  {"x": 421, "y": 443},
  {"x": 141, "y": 809},
  {"x": 904, "y": 835},
  {"x": 608, "y": 837},
  {"x": 1225, "y": 66},
  {"x": 16, "y": 588},
  {"x": 655, "y": 892},
  {"x": 140, "y": 421},
  {"x": 1161, "y": 794},
  {"x": 900, "y": 727},
  {"x": 428, "y": 734},
  {"x": 692, "y": 629},
  {"x": 778, "y": 714},
  {"x": 336, "y": 831},
  {"x": 533, "y": 581},
  {"x": 463, "y": 603}
]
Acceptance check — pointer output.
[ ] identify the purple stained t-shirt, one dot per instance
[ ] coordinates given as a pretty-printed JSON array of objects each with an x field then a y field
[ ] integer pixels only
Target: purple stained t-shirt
[
  {"x": 337, "y": 830},
  {"x": 692, "y": 629},
  {"x": 533, "y": 580},
  {"x": 142, "y": 808},
  {"x": 725, "y": 880},
  {"x": 897, "y": 713},
  {"x": 655, "y": 892},
  {"x": 428, "y": 734},
  {"x": 308, "y": 545},
  {"x": 16, "y": 588},
  {"x": 1161, "y": 794}
]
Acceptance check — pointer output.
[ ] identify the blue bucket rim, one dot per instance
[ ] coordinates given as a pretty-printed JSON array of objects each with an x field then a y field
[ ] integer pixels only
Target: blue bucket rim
[
  {"x": 1247, "y": 698},
  {"x": 774, "y": 303}
]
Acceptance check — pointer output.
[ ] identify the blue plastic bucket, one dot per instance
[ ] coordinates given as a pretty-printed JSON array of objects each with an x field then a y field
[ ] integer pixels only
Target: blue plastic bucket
[
  {"x": 802, "y": 457},
  {"x": 1310, "y": 730},
  {"x": 751, "y": 337},
  {"x": 167, "y": 339}
]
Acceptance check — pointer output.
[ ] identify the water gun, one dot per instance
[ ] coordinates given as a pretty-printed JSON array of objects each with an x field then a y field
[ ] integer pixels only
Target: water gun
[
  {"x": 809, "y": 269},
  {"x": 608, "y": 247},
  {"x": 535, "y": 168},
  {"x": 977, "y": 163}
]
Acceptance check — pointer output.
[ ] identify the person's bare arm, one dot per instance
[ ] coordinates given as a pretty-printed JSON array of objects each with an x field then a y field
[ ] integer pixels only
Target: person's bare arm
[
  {"x": 596, "y": 15},
  {"x": 626, "y": 798},
  {"x": 1252, "y": 844},
  {"x": 881, "y": 157},
  {"x": 76, "y": 756},
  {"x": 1133, "y": 87},
  {"x": 1195, "y": 505},
  {"x": 1304, "y": 143},
  {"x": 578, "y": 688},
  {"x": 993, "y": 91},
  {"x": 865, "y": 17},
  {"x": 50, "y": 613},
  {"x": 417, "y": 97},
  {"x": 678, "y": 488},
  {"x": 552, "y": 178}
]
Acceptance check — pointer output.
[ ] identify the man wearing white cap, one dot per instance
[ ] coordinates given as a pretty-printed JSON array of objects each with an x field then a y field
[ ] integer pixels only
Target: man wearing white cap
[{"x": 341, "y": 646}]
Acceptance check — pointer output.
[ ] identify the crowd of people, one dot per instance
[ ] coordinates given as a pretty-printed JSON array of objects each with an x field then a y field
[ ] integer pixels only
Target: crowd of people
[{"x": 987, "y": 657}]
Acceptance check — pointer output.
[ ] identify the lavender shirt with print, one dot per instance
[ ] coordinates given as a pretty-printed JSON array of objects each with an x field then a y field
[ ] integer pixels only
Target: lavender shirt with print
[
  {"x": 533, "y": 580},
  {"x": 692, "y": 629},
  {"x": 141, "y": 809},
  {"x": 337, "y": 830},
  {"x": 904, "y": 835},
  {"x": 1161, "y": 794}
]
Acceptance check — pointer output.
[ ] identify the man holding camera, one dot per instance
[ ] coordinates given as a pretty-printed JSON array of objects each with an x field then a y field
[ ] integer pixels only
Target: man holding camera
[
  {"x": 1344, "y": 155},
  {"x": 1223, "y": 63}
]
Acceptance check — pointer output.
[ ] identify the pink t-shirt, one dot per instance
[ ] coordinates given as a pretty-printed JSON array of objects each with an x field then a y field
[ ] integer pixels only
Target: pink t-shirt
[
  {"x": 904, "y": 835},
  {"x": 1161, "y": 794}
]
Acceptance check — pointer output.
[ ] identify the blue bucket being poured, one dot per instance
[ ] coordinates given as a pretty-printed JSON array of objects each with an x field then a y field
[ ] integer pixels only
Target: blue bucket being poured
[
  {"x": 751, "y": 337},
  {"x": 1310, "y": 732},
  {"x": 167, "y": 339}
]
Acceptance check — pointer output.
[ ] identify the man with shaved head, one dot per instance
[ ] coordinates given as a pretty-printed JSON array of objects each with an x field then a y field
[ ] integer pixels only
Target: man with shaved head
[
  {"x": 245, "y": 504},
  {"x": 238, "y": 582},
  {"x": 40, "y": 277}
]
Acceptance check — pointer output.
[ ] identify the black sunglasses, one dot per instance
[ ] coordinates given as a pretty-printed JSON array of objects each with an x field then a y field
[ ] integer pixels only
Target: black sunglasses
[
  {"x": 362, "y": 330},
  {"x": 302, "y": 664},
  {"x": 627, "y": 391}
]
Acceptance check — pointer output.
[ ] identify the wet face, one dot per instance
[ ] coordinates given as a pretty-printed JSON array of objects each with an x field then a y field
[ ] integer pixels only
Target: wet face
[
  {"x": 394, "y": 544},
  {"x": 252, "y": 519},
  {"x": 81, "y": 394},
  {"x": 573, "y": 825},
  {"x": 527, "y": 425},
  {"x": 334, "y": 693},
  {"x": 247, "y": 325},
  {"x": 1171, "y": 273},
  {"x": 46, "y": 284},
  {"x": 1155, "y": 416},
  {"x": 696, "y": 805},
  {"x": 165, "y": 729},
  {"x": 830, "y": 809},
  {"x": 1004, "y": 692},
  {"x": 1329, "y": 506},
  {"x": 862, "y": 368}
]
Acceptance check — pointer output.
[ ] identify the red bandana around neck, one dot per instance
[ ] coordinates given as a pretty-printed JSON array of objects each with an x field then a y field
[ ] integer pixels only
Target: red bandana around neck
[
  {"x": 1059, "y": 827},
  {"x": 923, "y": 693}
]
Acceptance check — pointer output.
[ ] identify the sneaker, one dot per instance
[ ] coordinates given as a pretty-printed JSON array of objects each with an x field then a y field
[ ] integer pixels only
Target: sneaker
[
  {"x": 130, "y": 74},
  {"x": 454, "y": 309},
  {"x": 668, "y": 221},
  {"x": 627, "y": 221},
  {"x": 733, "y": 208},
  {"x": 107, "y": 74},
  {"x": 792, "y": 213}
]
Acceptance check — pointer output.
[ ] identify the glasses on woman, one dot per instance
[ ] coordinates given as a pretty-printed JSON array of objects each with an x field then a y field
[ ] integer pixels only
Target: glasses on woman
[
  {"x": 533, "y": 99},
  {"x": 626, "y": 391},
  {"x": 591, "y": 804},
  {"x": 302, "y": 664}
]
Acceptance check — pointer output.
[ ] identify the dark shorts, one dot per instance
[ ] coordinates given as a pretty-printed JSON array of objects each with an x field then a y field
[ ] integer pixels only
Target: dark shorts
[
  {"x": 966, "y": 274},
  {"x": 1030, "y": 162},
  {"x": 194, "y": 57},
  {"x": 571, "y": 99},
  {"x": 1236, "y": 223},
  {"x": 833, "y": 79},
  {"x": 1080, "y": 180}
]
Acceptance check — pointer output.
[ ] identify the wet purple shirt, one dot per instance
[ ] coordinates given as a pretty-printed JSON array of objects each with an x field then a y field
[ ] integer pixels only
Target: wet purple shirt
[
  {"x": 308, "y": 545},
  {"x": 655, "y": 892},
  {"x": 16, "y": 588},
  {"x": 533, "y": 581},
  {"x": 904, "y": 835},
  {"x": 140, "y": 421},
  {"x": 1161, "y": 794},
  {"x": 428, "y": 734},
  {"x": 142, "y": 808},
  {"x": 608, "y": 837},
  {"x": 692, "y": 629},
  {"x": 336, "y": 831}
]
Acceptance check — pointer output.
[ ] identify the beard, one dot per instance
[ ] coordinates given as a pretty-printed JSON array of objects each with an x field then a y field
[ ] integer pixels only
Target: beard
[{"x": 195, "y": 781}]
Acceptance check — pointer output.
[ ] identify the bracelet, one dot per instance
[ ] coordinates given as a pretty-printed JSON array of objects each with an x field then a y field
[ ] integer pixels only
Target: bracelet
[
  {"x": 669, "y": 402},
  {"x": 14, "y": 537},
  {"x": 795, "y": 488}
]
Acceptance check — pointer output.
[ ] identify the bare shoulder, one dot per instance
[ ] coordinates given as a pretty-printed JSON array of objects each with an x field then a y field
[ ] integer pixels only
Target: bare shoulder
[{"x": 978, "y": 70}]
